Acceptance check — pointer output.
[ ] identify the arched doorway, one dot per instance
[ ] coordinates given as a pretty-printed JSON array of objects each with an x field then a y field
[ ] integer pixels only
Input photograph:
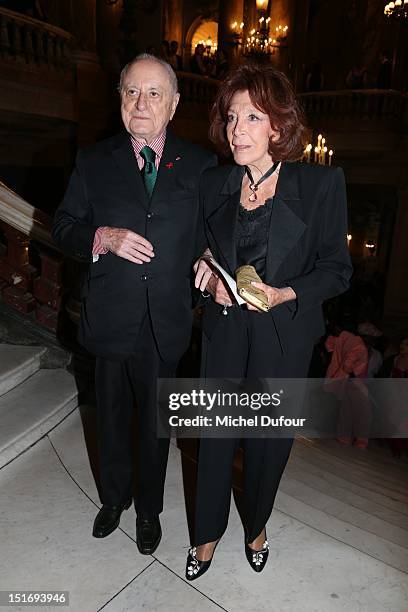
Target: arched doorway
[
  {"x": 207, "y": 34},
  {"x": 204, "y": 31}
]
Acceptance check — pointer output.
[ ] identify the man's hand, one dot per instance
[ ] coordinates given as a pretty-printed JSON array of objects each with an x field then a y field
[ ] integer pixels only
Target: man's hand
[
  {"x": 275, "y": 296},
  {"x": 127, "y": 244}
]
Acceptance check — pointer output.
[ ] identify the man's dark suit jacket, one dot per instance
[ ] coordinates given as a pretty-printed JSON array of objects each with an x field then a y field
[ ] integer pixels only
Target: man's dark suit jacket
[
  {"x": 307, "y": 244},
  {"x": 106, "y": 189}
]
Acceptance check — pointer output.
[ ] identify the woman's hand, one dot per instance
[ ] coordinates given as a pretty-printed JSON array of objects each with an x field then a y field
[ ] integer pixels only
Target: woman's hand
[
  {"x": 207, "y": 280},
  {"x": 218, "y": 291},
  {"x": 203, "y": 273},
  {"x": 275, "y": 296}
]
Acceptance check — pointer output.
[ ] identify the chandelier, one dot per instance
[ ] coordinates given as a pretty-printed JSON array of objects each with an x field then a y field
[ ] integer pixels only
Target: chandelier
[
  {"x": 261, "y": 41},
  {"x": 397, "y": 9}
]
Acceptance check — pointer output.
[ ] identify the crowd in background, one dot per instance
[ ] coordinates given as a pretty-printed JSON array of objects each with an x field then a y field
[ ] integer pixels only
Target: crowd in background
[
  {"x": 202, "y": 62},
  {"x": 358, "y": 352},
  {"x": 358, "y": 77}
]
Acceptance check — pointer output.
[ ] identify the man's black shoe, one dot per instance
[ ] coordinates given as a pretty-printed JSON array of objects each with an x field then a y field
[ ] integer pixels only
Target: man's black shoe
[
  {"x": 108, "y": 519},
  {"x": 148, "y": 535}
]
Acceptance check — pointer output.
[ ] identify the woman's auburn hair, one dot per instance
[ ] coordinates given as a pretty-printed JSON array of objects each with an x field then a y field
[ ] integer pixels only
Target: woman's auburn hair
[{"x": 272, "y": 93}]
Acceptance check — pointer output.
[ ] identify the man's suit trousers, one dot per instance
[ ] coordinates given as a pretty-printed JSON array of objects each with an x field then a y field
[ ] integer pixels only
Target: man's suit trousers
[{"x": 126, "y": 404}]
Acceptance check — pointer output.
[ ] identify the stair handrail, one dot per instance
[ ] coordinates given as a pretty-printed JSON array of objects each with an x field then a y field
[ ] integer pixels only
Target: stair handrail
[
  {"x": 37, "y": 23},
  {"x": 24, "y": 217}
]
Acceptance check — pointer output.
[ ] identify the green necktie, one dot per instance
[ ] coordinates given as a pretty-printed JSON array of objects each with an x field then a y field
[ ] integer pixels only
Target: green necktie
[{"x": 149, "y": 171}]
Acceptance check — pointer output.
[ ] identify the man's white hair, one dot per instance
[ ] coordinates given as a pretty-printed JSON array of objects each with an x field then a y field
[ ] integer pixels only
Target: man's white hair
[{"x": 148, "y": 56}]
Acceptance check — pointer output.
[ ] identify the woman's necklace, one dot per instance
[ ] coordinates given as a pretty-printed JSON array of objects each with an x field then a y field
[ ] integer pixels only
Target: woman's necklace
[{"x": 254, "y": 186}]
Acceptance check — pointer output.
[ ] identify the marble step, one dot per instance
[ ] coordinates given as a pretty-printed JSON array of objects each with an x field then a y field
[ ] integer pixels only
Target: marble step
[
  {"x": 388, "y": 552},
  {"x": 376, "y": 456},
  {"x": 334, "y": 506},
  {"x": 356, "y": 495},
  {"x": 17, "y": 363},
  {"x": 395, "y": 484},
  {"x": 346, "y": 474},
  {"x": 367, "y": 460},
  {"x": 395, "y": 489},
  {"x": 32, "y": 409}
]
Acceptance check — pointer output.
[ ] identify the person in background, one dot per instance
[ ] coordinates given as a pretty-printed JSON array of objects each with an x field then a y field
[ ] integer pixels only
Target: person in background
[
  {"x": 357, "y": 77},
  {"x": 197, "y": 64},
  {"x": 221, "y": 66},
  {"x": 164, "y": 51},
  {"x": 315, "y": 79},
  {"x": 384, "y": 72},
  {"x": 396, "y": 366},
  {"x": 174, "y": 58},
  {"x": 349, "y": 361},
  {"x": 370, "y": 335},
  {"x": 151, "y": 50}
]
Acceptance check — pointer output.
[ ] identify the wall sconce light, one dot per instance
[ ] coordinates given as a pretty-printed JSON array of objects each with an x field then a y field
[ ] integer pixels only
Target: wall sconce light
[
  {"x": 281, "y": 32},
  {"x": 321, "y": 154},
  {"x": 371, "y": 247},
  {"x": 237, "y": 32}
]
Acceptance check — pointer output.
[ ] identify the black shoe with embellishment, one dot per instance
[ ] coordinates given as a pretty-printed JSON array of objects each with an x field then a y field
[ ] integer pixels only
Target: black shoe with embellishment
[
  {"x": 257, "y": 558},
  {"x": 194, "y": 567}
]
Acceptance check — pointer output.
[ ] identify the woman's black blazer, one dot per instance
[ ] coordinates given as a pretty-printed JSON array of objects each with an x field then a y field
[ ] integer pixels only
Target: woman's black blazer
[{"x": 307, "y": 243}]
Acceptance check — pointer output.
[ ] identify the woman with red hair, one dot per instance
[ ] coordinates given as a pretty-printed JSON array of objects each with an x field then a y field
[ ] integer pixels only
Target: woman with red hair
[{"x": 289, "y": 221}]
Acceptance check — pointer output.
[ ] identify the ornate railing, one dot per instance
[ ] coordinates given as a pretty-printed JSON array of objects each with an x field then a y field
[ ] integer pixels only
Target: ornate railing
[
  {"x": 30, "y": 263},
  {"x": 345, "y": 105},
  {"x": 24, "y": 39},
  {"x": 362, "y": 105},
  {"x": 196, "y": 89}
]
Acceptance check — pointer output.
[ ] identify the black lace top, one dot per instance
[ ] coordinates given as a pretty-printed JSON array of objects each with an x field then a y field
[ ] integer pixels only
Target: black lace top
[{"x": 252, "y": 236}]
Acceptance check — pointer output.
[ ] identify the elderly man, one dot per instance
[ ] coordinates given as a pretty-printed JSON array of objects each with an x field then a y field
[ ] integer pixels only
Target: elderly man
[{"x": 132, "y": 210}]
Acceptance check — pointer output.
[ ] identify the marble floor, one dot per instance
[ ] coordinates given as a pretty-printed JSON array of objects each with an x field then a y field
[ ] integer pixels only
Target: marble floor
[{"x": 338, "y": 536}]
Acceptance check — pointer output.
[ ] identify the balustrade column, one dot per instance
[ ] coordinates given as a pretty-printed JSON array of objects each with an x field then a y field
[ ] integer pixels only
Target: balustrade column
[
  {"x": 141, "y": 26},
  {"x": 289, "y": 57},
  {"x": 107, "y": 29},
  {"x": 16, "y": 272},
  {"x": 47, "y": 288},
  {"x": 92, "y": 82},
  {"x": 84, "y": 23},
  {"x": 173, "y": 21}
]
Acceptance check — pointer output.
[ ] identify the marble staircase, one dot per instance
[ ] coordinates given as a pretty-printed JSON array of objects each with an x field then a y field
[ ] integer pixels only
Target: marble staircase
[
  {"x": 350, "y": 495},
  {"x": 338, "y": 532},
  {"x": 32, "y": 400}
]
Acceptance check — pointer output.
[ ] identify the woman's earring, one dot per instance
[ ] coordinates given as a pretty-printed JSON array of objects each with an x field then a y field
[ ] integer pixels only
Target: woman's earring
[{"x": 224, "y": 310}]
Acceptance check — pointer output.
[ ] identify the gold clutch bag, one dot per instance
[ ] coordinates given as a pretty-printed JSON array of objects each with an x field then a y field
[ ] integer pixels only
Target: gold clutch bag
[{"x": 254, "y": 296}]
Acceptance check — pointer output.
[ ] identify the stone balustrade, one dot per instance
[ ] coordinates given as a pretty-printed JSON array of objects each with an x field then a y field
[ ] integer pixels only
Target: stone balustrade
[
  {"x": 30, "y": 263},
  {"x": 385, "y": 106},
  {"x": 196, "y": 89},
  {"x": 28, "y": 40}
]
